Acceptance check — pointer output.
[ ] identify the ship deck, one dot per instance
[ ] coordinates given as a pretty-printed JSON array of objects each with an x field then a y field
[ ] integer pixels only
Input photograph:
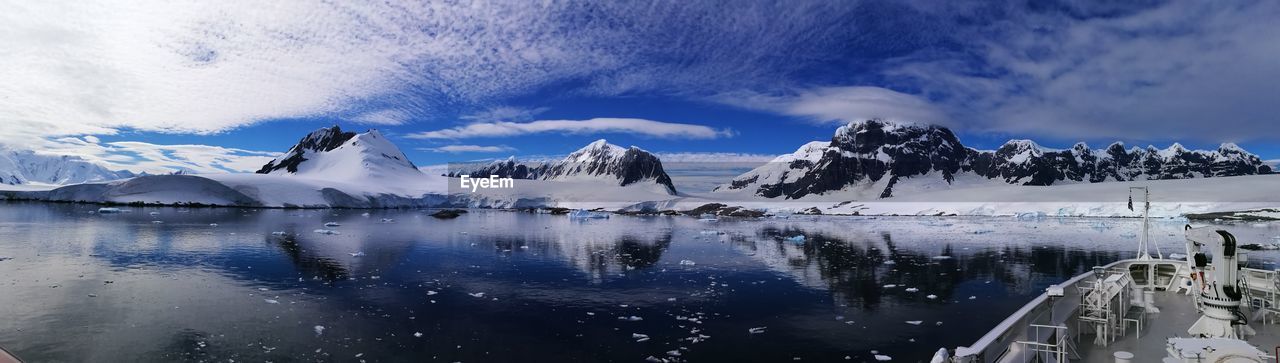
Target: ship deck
[{"x": 1177, "y": 313}]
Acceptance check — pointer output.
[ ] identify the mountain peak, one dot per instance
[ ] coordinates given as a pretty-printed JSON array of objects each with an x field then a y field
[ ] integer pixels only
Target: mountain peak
[
  {"x": 335, "y": 154},
  {"x": 904, "y": 157},
  {"x": 598, "y": 161}
]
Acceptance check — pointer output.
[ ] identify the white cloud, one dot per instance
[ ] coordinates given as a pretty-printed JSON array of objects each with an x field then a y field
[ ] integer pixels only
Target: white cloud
[
  {"x": 471, "y": 149},
  {"x": 713, "y": 157},
  {"x": 504, "y": 113},
  {"x": 1189, "y": 70},
  {"x": 78, "y": 68},
  {"x": 158, "y": 159},
  {"x": 841, "y": 104},
  {"x": 632, "y": 126},
  {"x": 382, "y": 117}
]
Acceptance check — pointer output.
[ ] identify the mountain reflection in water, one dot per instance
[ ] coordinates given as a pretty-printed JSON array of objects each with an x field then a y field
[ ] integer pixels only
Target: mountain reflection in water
[{"x": 217, "y": 284}]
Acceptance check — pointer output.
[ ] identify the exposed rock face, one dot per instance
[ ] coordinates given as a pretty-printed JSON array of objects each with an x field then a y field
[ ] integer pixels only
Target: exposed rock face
[
  {"x": 598, "y": 160},
  {"x": 332, "y": 154},
  {"x": 321, "y": 140},
  {"x": 875, "y": 151}
]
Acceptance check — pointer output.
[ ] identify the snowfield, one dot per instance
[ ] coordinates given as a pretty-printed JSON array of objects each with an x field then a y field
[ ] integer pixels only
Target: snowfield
[
  {"x": 332, "y": 168},
  {"x": 1170, "y": 198}
]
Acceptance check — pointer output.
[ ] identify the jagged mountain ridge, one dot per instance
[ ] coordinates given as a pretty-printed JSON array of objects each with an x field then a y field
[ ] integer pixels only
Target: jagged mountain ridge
[
  {"x": 25, "y": 166},
  {"x": 874, "y": 151},
  {"x": 337, "y": 154},
  {"x": 597, "y": 160}
]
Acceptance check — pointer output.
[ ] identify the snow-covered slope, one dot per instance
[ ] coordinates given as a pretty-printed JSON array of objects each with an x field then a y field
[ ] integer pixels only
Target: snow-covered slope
[
  {"x": 888, "y": 155},
  {"x": 599, "y": 161},
  {"x": 333, "y": 168},
  {"x": 1170, "y": 198},
  {"x": 27, "y": 167},
  {"x": 333, "y": 154}
]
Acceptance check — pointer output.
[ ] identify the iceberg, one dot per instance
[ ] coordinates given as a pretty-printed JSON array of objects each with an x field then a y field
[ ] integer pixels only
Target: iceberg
[{"x": 586, "y": 214}]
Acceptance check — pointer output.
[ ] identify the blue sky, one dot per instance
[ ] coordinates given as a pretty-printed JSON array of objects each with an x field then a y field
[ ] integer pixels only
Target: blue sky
[{"x": 221, "y": 86}]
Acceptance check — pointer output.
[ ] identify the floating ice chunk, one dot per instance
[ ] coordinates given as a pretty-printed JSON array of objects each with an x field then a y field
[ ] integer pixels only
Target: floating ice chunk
[
  {"x": 417, "y": 334},
  {"x": 940, "y": 356},
  {"x": 365, "y": 214},
  {"x": 326, "y": 231},
  {"x": 652, "y": 359},
  {"x": 108, "y": 210},
  {"x": 213, "y": 224},
  {"x": 942, "y": 257},
  {"x": 356, "y": 254},
  {"x": 911, "y": 289},
  {"x": 431, "y": 292},
  {"x": 154, "y": 213},
  {"x": 1177, "y": 256},
  {"x": 890, "y": 286},
  {"x": 271, "y": 301},
  {"x": 1030, "y": 216},
  {"x": 756, "y": 330},
  {"x": 915, "y": 322},
  {"x": 639, "y": 337},
  {"x": 883, "y": 358},
  {"x": 674, "y": 353},
  {"x": 477, "y": 294},
  {"x": 157, "y": 222},
  {"x": 931, "y": 296},
  {"x": 708, "y": 232},
  {"x": 319, "y": 329},
  {"x": 795, "y": 239},
  {"x": 630, "y": 318},
  {"x": 279, "y": 233},
  {"x": 387, "y": 220},
  {"x": 586, "y": 214},
  {"x": 890, "y": 262},
  {"x": 332, "y": 224},
  {"x": 687, "y": 263},
  {"x": 973, "y": 297}
]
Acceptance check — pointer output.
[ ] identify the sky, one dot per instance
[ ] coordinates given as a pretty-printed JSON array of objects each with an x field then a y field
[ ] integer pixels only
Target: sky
[{"x": 225, "y": 85}]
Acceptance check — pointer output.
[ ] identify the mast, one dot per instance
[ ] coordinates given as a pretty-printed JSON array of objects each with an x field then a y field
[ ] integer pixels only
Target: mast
[{"x": 1146, "y": 223}]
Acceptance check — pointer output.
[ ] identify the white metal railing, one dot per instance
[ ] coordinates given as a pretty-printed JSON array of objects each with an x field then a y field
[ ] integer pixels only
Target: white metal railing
[
  {"x": 1001, "y": 344},
  {"x": 1048, "y": 341}
]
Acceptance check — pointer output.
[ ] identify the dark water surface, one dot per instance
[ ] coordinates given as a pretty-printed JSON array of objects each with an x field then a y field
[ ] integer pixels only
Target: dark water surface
[{"x": 502, "y": 286}]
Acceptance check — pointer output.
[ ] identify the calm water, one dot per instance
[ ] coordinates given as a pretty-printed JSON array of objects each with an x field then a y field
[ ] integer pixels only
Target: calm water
[{"x": 503, "y": 286}]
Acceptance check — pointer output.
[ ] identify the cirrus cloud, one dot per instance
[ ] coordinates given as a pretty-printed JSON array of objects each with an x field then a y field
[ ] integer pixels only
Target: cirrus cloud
[
  {"x": 455, "y": 149},
  {"x": 840, "y": 104},
  {"x": 633, "y": 126}
]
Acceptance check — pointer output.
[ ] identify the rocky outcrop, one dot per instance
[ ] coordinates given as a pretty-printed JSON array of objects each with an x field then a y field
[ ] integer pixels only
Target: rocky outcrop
[{"x": 876, "y": 151}]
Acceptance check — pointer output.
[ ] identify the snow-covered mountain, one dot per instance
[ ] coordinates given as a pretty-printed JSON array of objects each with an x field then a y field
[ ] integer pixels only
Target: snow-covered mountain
[
  {"x": 598, "y": 161},
  {"x": 24, "y": 167},
  {"x": 882, "y": 154},
  {"x": 331, "y": 153}
]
